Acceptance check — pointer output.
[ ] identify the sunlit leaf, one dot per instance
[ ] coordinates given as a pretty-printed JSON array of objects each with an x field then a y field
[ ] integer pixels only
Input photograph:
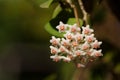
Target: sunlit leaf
[
  {"x": 46, "y": 4},
  {"x": 56, "y": 11},
  {"x": 72, "y": 21},
  {"x": 52, "y": 31}
]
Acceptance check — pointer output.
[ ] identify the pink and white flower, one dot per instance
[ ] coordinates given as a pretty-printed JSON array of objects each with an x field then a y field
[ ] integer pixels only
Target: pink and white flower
[
  {"x": 90, "y": 38},
  {"x": 85, "y": 46},
  {"x": 74, "y": 28},
  {"x": 61, "y": 27},
  {"x": 54, "y": 50},
  {"x": 68, "y": 35},
  {"x": 96, "y": 44},
  {"x": 97, "y": 53},
  {"x": 63, "y": 49},
  {"x": 55, "y": 58},
  {"x": 76, "y": 45},
  {"x": 79, "y": 37},
  {"x": 87, "y": 30},
  {"x": 55, "y": 41},
  {"x": 65, "y": 42},
  {"x": 66, "y": 59}
]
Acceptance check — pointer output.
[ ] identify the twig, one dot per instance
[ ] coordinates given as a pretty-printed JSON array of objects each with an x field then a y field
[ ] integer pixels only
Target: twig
[
  {"x": 83, "y": 11},
  {"x": 75, "y": 11},
  {"x": 76, "y": 15}
]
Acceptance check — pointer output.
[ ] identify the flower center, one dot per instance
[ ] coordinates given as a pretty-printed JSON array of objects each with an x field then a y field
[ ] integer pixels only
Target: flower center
[
  {"x": 69, "y": 36},
  {"x": 53, "y": 51},
  {"x": 73, "y": 30},
  {"x": 86, "y": 31},
  {"x": 62, "y": 28},
  {"x": 74, "y": 43}
]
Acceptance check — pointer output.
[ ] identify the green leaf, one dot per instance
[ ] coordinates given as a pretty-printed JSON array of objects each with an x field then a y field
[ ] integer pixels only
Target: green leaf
[
  {"x": 46, "y": 4},
  {"x": 72, "y": 21},
  {"x": 56, "y": 11},
  {"x": 52, "y": 31}
]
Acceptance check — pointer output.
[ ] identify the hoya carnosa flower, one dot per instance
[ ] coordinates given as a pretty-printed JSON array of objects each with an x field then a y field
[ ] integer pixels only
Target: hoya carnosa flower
[
  {"x": 54, "y": 50},
  {"x": 96, "y": 44},
  {"x": 77, "y": 44},
  {"x": 66, "y": 59},
  {"x": 90, "y": 38},
  {"x": 61, "y": 27},
  {"x": 55, "y": 58},
  {"x": 87, "y": 30},
  {"x": 79, "y": 37},
  {"x": 55, "y": 41},
  {"x": 65, "y": 42},
  {"x": 68, "y": 35},
  {"x": 74, "y": 28},
  {"x": 97, "y": 53},
  {"x": 62, "y": 49},
  {"x": 85, "y": 46}
]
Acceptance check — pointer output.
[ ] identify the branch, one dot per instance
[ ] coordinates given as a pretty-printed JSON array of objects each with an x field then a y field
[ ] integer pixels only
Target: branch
[
  {"x": 75, "y": 11},
  {"x": 76, "y": 15},
  {"x": 83, "y": 11}
]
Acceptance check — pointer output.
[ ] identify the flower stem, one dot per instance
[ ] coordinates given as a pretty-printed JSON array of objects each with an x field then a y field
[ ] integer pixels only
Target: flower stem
[{"x": 80, "y": 74}]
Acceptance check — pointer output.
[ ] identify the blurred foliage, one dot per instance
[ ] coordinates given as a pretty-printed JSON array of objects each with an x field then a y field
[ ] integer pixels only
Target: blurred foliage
[
  {"x": 46, "y": 4},
  {"x": 24, "y": 18},
  {"x": 117, "y": 68}
]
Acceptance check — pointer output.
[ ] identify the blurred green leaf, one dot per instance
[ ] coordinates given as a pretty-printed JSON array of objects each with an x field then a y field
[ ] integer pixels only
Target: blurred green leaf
[
  {"x": 117, "y": 68},
  {"x": 98, "y": 78},
  {"x": 56, "y": 11},
  {"x": 51, "y": 77},
  {"x": 37, "y": 1},
  {"x": 72, "y": 21},
  {"x": 108, "y": 57},
  {"x": 46, "y": 4},
  {"x": 52, "y": 31}
]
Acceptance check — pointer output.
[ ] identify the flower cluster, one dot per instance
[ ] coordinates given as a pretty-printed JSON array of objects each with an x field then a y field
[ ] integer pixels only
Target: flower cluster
[{"x": 78, "y": 45}]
